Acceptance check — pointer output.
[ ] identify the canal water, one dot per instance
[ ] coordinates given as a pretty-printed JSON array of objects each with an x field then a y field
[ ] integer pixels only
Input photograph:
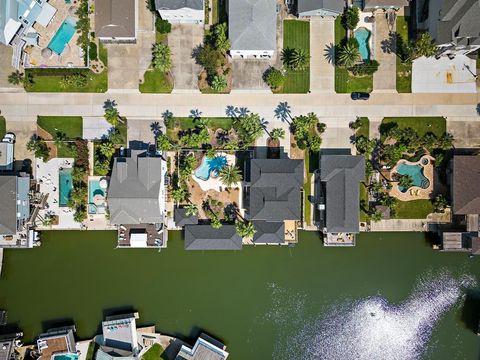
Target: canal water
[{"x": 390, "y": 297}]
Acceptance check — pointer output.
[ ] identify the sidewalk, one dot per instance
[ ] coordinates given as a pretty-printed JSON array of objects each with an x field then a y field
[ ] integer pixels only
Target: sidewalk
[{"x": 322, "y": 39}]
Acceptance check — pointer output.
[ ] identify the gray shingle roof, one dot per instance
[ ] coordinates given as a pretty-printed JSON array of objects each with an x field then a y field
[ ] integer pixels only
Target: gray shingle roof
[
  {"x": 7, "y": 346},
  {"x": 371, "y": 4},
  {"x": 205, "y": 348},
  {"x": 269, "y": 232},
  {"x": 115, "y": 18},
  {"x": 204, "y": 237},
  {"x": 342, "y": 175},
  {"x": 178, "y": 4},
  {"x": 8, "y": 199},
  {"x": 465, "y": 189},
  {"x": 181, "y": 218},
  {"x": 458, "y": 19},
  {"x": 252, "y": 24},
  {"x": 336, "y": 6},
  {"x": 275, "y": 189},
  {"x": 133, "y": 194}
]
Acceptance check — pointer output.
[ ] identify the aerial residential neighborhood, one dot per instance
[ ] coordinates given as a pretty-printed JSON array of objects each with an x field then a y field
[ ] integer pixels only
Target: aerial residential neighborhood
[{"x": 251, "y": 177}]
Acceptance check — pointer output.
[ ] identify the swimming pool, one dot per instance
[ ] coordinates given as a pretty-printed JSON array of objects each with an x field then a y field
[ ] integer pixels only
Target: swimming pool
[
  {"x": 362, "y": 35},
  {"x": 65, "y": 186},
  {"x": 66, "y": 356},
  {"x": 416, "y": 173},
  {"x": 63, "y": 35},
  {"x": 213, "y": 165},
  {"x": 94, "y": 189}
]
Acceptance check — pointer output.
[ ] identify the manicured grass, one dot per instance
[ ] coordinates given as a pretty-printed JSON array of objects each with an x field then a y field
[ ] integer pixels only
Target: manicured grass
[
  {"x": 415, "y": 209},
  {"x": 296, "y": 35},
  {"x": 156, "y": 81},
  {"x": 364, "y": 197},
  {"x": 344, "y": 81},
  {"x": 185, "y": 123},
  {"x": 364, "y": 129},
  {"x": 92, "y": 348},
  {"x": 422, "y": 125},
  {"x": 72, "y": 126},
  {"x": 103, "y": 55},
  {"x": 3, "y": 127},
  {"x": 404, "y": 71},
  {"x": 156, "y": 352}
]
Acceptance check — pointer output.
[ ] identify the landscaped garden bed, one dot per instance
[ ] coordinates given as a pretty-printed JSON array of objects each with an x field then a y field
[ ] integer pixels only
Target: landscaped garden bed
[{"x": 404, "y": 69}]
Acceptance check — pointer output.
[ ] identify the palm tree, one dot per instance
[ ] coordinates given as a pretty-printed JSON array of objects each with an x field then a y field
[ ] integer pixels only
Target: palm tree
[
  {"x": 425, "y": 46},
  {"x": 179, "y": 194},
  {"x": 277, "y": 134},
  {"x": 215, "y": 223},
  {"x": 112, "y": 116},
  {"x": 15, "y": 77},
  {"x": 245, "y": 229},
  {"x": 161, "y": 57},
  {"x": 201, "y": 123},
  {"x": 191, "y": 209},
  {"x": 60, "y": 137},
  {"x": 230, "y": 175},
  {"x": 348, "y": 54},
  {"x": 296, "y": 59},
  {"x": 107, "y": 149},
  {"x": 219, "y": 83}
]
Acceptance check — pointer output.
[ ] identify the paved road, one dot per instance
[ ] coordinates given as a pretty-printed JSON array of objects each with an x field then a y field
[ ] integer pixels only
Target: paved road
[{"x": 22, "y": 106}]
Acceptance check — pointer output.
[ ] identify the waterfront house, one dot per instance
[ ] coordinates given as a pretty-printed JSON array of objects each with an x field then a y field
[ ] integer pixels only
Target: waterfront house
[
  {"x": 454, "y": 25},
  {"x": 338, "y": 198},
  {"x": 57, "y": 341},
  {"x": 307, "y": 8},
  {"x": 275, "y": 201},
  {"x": 181, "y": 11},
  {"x": 372, "y": 5},
  {"x": 15, "y": 224},
  {"x": 17, "y": 18},
  {"x": 8, "y": 345},
  {"x": 116, "y": 21},
  {"x": 119, "y": 338},
  {"x": 252, "y": 28},
  {"x": 205, "y": 348},
  {"x": 205, "y": 237},
  {"x": 181, "y": 218},
  {"x": 136, "y": 199}
]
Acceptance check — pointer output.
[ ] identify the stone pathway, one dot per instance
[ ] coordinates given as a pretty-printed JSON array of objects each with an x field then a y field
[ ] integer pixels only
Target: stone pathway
[{"x": 322, "y": 39}]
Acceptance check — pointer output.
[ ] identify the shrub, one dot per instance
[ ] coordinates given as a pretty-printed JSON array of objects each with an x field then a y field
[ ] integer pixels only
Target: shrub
[
  {"x": 351, "y": 18},
  {"x": 274, "y": 78},
  {"x": 367, "y": 68},
  {"x": 92, "y": 51},
  {"x": 161, "y": 57},
  {"x": 219, "y": 83},
  {"x": 162, "y": 26},
  {"x": 211, "y": 59}
]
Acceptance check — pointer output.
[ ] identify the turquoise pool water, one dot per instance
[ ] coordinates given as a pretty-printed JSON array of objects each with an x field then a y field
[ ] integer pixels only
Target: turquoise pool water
[
  {"x": 94, "y": 189},
  {"x": 63, "y": 35},
  {"x": 416, "y": 172},
  {"x": 210, "y": 165},
  {"x": 65, "y": 186},
  {"x": 67, "y": 356},
  {"x": 362, "y": 35}
]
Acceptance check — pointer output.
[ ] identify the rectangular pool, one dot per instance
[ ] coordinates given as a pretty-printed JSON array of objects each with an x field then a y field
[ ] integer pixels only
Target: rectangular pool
[
  {"x": 63, "y": 35},
  {"x": 65, "y": 186}
]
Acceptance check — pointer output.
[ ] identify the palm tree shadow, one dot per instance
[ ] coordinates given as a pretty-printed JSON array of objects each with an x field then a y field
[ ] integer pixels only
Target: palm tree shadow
[
  {"x": 329, "y": 53},
  {"x": 283, "y": 112},
  {"x": 108, "y": 104},
  {"x": 156, "y": 129}
]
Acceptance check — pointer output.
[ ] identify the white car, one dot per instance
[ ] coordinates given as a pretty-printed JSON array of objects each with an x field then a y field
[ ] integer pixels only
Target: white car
[{"x": 9, "y": 138}]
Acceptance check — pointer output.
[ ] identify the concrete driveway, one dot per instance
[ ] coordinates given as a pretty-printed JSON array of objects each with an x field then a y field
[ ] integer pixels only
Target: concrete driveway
[
  {"x": 248, "y": 74},
  {"x": 465, "y": 132},
  {"x": 322, "y": 39},
  {"x": 385, "y": 78},
  {"x": 128, "y": 62},
  {"x": 6, "y": 69},
  {"x": 183, "y": 40}
]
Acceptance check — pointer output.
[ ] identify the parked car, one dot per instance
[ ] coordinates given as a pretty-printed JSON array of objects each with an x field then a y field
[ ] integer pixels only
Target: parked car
[
  {"x": 9, "y": 137},
  {"x": 360, "y": 96}
]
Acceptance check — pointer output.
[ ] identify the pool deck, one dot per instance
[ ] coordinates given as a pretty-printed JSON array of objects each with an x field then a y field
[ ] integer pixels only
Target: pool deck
[
  {"x": 48, "y": 178},
  {"x": 214, "y": 183},
  {"x": 415, "y": 192},
  {"x": 71, "y": 56}
]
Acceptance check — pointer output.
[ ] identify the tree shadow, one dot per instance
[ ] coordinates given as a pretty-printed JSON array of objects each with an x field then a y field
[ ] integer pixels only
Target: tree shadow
[
  {"x": 57, "y": 323},
  {"x": 195, "y": 114},
  {"x": 329, "y": 53},
  {"x": 196, "y": 54},
  {"x": 283, "y": 112},
  {"x": 388, "y": 45},
  {"x": 108, "y": 104},
  {"x": 471, "y": 310},
  {"x": 156, "y": 129},
  {"x": 478, "y": 109},
  {"x": 242, "y": 111}
]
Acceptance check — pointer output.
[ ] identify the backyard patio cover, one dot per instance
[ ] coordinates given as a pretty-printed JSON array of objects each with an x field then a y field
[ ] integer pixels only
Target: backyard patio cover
[{"x": 46, "y": 15}]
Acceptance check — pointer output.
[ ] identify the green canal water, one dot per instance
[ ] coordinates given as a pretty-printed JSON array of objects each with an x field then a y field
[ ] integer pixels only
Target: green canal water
[{"x": 254, "y": 300}]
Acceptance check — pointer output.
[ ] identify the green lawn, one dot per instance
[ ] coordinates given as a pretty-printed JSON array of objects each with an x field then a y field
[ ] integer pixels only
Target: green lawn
[
  {"x": 156, "y": 352},
  {"x": 219, "y": 11},
  {"x": 364, "y": 129},
  {"x": 3, "y": 127},
  {"x": 155, "y": 81},
  {"x": 72, "y": 126},
  {"x": 404, "y": 71},
  {"x": 296, "y": 34},
  {"x": 363, "y": 196},
  {"x": 422, "y": 125},
  {"x": 344, "y": 81},
  {"x": 415, "y": 209},
  {"x": 92, "y": 349},
  {"x": 185, "y": 123},
  {"x": 48, "y": 80}
]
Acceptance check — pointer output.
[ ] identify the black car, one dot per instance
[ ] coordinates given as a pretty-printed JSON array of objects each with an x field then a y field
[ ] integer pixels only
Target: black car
[{"x": 360, "y": 96}]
